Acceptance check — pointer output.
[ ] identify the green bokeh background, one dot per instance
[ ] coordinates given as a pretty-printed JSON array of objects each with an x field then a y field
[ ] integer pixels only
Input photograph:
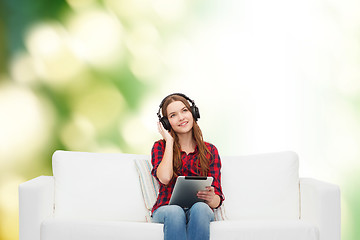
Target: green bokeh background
[{"x": 88, "y": 75}]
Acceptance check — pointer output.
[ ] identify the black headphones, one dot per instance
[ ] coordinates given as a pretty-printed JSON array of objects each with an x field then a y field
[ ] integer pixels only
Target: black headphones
[{"x": 165, "y": 121}]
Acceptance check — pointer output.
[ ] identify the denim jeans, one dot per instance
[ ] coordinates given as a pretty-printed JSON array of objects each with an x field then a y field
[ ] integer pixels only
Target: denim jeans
[{"x": 182, "y": 224}]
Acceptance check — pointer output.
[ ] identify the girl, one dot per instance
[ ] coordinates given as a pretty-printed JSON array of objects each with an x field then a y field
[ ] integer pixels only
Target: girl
[{"x": 184, "y": 152}]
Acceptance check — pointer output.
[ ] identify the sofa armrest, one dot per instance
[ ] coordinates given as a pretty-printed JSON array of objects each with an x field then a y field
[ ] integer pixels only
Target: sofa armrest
[
  {"x": 320, "y": 205},
  {"x": 36, "y": 202}
]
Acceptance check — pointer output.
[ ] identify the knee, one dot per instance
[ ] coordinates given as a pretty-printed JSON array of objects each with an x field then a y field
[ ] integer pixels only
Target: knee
[
  {"x": 202, "y": 210},
  {"x": 174, "y": 212},
  {"x": 201, "y": 207},
  {"x": 169, "y": 213}
]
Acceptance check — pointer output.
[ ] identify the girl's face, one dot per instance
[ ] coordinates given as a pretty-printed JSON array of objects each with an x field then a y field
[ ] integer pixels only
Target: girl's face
[{"x": 180, "y": 117}]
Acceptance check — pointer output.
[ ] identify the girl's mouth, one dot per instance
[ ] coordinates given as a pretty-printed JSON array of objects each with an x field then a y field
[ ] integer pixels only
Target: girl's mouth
[{"x": 183, "y": 124}]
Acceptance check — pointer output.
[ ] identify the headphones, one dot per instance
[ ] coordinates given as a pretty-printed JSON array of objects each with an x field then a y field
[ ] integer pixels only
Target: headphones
[{"x": 165, "y": 121}]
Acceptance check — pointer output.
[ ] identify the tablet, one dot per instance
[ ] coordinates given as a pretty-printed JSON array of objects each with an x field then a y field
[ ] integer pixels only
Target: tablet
[{"x": 186, "y": 188}]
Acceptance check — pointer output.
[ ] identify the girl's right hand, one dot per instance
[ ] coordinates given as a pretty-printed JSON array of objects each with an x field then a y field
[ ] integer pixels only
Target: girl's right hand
[{"x": 164, "y": 133}]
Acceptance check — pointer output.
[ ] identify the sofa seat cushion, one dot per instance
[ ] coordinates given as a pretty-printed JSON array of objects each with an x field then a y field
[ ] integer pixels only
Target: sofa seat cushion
[
  {"x": 61, "y": 229},
  {"x": 264, "y": 230}
]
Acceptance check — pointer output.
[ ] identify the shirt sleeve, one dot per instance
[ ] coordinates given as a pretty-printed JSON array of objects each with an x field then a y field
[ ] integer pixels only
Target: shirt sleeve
[
  {"x": 215, "y": 171},
  {"x": 157, "y": 154}
]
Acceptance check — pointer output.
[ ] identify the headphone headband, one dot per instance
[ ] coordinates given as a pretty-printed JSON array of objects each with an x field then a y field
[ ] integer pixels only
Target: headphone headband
[{"x": 179, "y": 94}]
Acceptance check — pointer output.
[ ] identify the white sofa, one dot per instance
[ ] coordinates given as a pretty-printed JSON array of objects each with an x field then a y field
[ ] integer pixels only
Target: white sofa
[{"x": 107, "y": 196}]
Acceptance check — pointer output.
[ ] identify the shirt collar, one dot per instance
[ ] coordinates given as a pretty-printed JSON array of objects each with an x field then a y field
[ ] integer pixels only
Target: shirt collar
[{"x": 195, "y": 151}]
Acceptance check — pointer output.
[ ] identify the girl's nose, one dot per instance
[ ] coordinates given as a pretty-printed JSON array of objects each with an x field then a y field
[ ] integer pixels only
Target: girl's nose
[{"x": 181, "y": 116}]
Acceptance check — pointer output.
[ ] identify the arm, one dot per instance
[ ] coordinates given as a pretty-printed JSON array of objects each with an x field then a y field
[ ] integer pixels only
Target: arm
[
  {"x": 213, "y": 196},
  {"x": 320, "y": 205},
  {"x": 215, "y": 202},
  {"x": 36, "y": 202},
  {"x": 164, "y": 170}
]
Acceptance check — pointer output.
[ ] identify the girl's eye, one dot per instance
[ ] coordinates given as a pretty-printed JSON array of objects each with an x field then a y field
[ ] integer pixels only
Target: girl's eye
[
  {"x": 172, "y": 115},
  {"x": 185, "y": 110}
]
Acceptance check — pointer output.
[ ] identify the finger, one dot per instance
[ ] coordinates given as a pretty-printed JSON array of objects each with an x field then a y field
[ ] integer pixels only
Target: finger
[
  {"x": 202, "y": 193},
  {"x": 210, "y": 188},
  {"x": 205, "y": 195},
  {"x": 206, "y": 199},
  {"x": 162, "y": 129},
  {"x": 209, "y": 192}
]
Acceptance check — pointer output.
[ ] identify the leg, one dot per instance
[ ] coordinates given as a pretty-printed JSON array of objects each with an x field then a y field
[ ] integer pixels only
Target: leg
[
  {"x": 174, "y": 219},
  {"x": 199, "y": 217}
]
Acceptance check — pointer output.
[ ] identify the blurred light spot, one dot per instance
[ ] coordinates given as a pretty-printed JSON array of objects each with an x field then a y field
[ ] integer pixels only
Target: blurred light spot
[
  {"x": 55, "y": 61},
  {"x": 348, "y": 212},
  {"x": 169, "y": 10},
  {"x": 129, "y": 10},
  {"x": 9, "y": 191},
  {"x": 101, "y": 105},
  {"x": 78, "y": 134},
  {"x": 44, "y": 39},
  {"x": 97, "y": 37},
  {"x": 108, "y": 148},
  {"x": 148, "y": 115},
  {"x": 9, "y": 226},
  {"x": 146, "y": 63},
  {"x": 23, "y": 69},
  {"x": 179, "y": 54},
  {"x": 140, "y": 130},
  {"x": 142, "y": 33},
  {"x": 146, "y": 67},
  {"x": 136, "y": 134},
  {"x": 24, "y": 124}
]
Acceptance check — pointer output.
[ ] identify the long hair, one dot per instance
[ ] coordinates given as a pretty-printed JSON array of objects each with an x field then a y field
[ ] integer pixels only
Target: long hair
[{"x": 203, "y": 160}]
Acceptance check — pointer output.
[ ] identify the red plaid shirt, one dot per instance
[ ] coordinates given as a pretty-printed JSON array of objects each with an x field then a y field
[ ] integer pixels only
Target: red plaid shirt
[{"x": 188, "y": 169}]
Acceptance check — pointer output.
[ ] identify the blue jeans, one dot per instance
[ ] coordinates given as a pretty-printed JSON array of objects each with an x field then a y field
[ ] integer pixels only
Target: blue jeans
[{"x": 182, "y": 224}]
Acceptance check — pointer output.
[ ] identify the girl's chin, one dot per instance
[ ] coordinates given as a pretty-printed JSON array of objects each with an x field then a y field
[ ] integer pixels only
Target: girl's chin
[{"x": 182, "y": 130}]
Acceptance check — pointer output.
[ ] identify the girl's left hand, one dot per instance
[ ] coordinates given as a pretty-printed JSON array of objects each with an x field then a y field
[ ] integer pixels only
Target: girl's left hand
[{"x": 207, "y": 195}]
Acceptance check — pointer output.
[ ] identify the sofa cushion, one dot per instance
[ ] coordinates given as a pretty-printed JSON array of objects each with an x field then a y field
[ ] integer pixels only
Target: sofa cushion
[
  {"x": 101, "y": 186},
  {"x": 264, "y": 229},
  {"x": 263, "y": 186},
  {"x": 59, "y": 229},
  {"x": 149, "y": 185}
]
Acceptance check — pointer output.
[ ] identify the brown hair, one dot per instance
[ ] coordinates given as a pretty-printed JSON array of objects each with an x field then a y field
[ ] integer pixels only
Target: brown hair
[{"x": 203, "y": 160}]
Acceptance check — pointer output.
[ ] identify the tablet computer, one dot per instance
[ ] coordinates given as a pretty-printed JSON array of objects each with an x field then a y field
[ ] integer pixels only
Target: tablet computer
[{"x": 186, "y": 188}]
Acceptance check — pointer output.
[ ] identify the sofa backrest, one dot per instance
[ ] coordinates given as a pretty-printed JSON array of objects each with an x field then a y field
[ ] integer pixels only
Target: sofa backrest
[
  {"x": 262, "y": 186},
  {"x": 101, "y": 186},
  {"x": 106, "y": 186}
]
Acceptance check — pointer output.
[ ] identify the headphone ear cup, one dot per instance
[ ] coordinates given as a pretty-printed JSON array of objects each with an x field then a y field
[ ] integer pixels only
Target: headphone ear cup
[
  {"x": 195, "y": 112},
  {"x": 165, "y": 122}
]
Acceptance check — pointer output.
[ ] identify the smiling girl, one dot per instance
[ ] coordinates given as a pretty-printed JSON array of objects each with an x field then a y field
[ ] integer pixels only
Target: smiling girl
[{"x": 183, "y": 152}]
